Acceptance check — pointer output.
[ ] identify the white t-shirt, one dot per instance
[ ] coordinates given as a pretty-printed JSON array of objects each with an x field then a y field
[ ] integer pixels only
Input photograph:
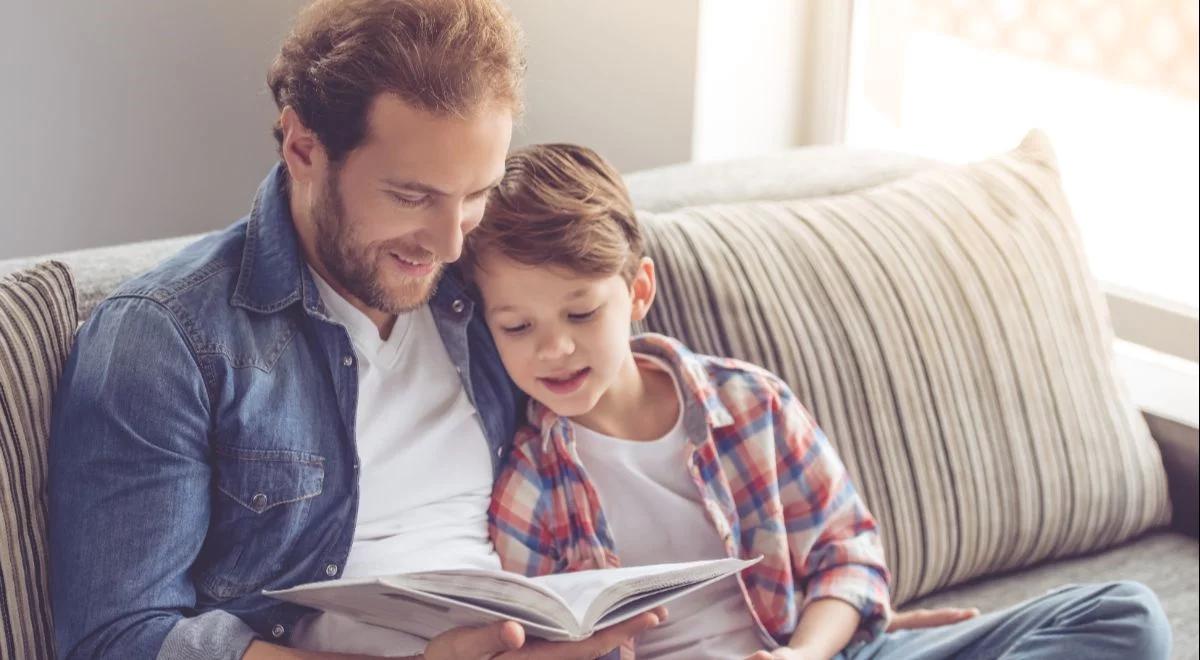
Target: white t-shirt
[
  {"x": 656, "y": 515},
  {"x": 426, "y": 471}
]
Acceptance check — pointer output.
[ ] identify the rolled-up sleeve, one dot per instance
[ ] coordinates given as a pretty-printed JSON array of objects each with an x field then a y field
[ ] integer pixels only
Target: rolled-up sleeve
[
  {"x": 129, "y": 489},
  {"x": 832, "y": 537}
]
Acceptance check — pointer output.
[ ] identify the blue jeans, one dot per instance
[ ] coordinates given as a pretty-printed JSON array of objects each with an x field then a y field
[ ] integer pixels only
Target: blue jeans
[{"x": 1095, "y": 622}]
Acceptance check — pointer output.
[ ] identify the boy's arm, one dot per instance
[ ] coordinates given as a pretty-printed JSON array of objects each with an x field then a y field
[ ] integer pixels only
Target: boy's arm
[
  {"x": 832, "y": 538},
  {"x": 517, "y": 517}
]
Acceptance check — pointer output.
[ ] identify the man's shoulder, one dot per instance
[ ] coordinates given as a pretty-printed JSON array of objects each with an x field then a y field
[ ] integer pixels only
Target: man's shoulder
[{"x": 200, "y": 272}]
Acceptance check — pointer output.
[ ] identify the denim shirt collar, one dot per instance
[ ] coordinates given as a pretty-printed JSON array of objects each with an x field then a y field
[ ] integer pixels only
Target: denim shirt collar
[{"x": 273, "y": 276}]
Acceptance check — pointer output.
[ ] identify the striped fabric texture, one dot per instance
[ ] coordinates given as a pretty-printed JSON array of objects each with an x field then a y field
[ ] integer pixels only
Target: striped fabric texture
[
  {"x": 37, "y": 323},
  {"x": 945, "y": 333}
]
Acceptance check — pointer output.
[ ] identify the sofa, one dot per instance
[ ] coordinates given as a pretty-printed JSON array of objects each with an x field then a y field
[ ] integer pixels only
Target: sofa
[{"x": 937, "y": 320}]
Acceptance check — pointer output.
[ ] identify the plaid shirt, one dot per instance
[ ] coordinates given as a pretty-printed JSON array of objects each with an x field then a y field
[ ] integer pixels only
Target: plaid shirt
[{"x": 770, "y": 481}]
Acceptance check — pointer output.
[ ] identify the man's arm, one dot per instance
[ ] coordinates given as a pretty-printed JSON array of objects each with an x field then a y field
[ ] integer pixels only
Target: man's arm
[{"x": 129, "y": 489}]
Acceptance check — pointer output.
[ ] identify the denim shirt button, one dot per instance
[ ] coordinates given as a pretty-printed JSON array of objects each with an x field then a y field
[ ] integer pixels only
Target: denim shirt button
[
  {"x": 458, "y": 306},
  {"x": 331, "y": 570},
  {"x": 348, "y": 361},
  {"x": 259, "y": 501},
  {"x": 277, "y": 631}
]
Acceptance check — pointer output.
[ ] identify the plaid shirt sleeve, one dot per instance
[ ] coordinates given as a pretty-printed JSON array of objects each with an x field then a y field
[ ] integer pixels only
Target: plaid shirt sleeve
[
  {"x": 517, "y": 517},
  {"x": 832, "y": 538}
]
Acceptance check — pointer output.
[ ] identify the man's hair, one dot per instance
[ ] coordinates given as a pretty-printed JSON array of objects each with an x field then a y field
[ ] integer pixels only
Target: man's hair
[
  {"x": 447, "y": 57},
  {"x": 560, "y": 205}
]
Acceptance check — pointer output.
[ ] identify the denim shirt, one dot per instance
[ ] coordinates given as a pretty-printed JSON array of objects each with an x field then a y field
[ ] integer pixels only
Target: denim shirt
[{"x": 203, "y": 448}]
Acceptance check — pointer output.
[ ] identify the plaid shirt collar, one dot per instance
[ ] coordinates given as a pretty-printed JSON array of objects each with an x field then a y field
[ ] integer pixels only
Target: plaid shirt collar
[{"x": 699, "y": 394}]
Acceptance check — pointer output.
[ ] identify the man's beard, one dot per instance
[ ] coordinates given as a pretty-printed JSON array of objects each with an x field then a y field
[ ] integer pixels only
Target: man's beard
[{"x": 356, "y": 267}]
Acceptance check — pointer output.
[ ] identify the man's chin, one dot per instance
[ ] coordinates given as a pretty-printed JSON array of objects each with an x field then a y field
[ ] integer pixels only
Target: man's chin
[{"x": 409, "y": 293}]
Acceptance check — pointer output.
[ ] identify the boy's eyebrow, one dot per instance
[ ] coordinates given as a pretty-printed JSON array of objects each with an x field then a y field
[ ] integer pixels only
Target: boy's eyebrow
[
  {"x": 577, "y": 293},
  {"x": 417, "y": 186}
]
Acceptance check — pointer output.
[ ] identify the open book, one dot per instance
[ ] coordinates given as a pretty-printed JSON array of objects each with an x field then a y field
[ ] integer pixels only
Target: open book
[{"x": 562, "y": 607}]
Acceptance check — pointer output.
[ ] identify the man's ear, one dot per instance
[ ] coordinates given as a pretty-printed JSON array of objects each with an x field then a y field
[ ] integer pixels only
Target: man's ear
[
  {"x": 302, "y": 151},
  {"x": 642, "y": 289}
]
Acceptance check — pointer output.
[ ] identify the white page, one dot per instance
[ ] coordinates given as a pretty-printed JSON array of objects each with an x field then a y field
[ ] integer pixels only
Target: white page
[{"x": 579, "y": 590}]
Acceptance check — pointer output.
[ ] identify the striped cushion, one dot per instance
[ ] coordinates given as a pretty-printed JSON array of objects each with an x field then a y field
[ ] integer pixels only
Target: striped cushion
[
  {"x": 37, "y": 322},
  {"x": 944, "y": 330}
]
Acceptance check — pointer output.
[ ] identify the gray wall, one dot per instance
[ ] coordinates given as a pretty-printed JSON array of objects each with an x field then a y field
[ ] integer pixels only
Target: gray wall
[
  {"x": 615, "y": 75},
  {"x": 131, "y": 119},
  {"x": 127, "y": 120}
]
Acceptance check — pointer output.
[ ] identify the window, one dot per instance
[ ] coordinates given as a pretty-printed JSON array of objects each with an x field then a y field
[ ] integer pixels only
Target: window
[{"x": 1113, "y": 83}]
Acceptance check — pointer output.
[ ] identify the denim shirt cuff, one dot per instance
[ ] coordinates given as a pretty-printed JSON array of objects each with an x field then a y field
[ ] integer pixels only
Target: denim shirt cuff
[{"x": 214, "y": 635}]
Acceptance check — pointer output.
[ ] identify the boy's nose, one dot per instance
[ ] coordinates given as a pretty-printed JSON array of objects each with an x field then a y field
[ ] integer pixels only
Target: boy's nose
[{"x": 554, "y": 346}]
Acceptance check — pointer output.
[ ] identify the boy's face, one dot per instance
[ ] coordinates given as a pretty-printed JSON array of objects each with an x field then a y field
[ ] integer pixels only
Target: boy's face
[{"x": 563, "y": 337}]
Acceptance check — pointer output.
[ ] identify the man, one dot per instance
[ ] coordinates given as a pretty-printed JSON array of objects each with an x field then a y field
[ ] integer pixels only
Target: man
[{"x": 309, "y": 394}]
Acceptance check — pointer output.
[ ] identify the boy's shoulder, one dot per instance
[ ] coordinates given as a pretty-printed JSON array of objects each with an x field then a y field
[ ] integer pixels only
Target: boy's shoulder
[{"x": 734, "y": 382}]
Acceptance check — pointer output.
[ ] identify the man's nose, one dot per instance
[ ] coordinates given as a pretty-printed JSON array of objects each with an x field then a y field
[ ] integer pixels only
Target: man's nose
[{"x": 445, "y": 236}]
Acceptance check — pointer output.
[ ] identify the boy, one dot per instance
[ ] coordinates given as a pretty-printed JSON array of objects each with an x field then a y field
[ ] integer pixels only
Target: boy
[{"x": 641, "y": 452}]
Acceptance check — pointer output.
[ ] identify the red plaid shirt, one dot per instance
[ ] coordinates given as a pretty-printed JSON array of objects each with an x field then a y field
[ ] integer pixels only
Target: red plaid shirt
[{"x": 771, "y": 482}]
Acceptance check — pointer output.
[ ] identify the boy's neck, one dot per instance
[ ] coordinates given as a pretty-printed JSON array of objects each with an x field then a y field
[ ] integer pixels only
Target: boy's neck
[{"x": 641, "y": 404}]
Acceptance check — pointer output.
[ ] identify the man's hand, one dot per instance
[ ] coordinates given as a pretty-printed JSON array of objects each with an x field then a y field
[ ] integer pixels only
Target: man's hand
[
  {"x": 506, "y": 641},
  {"x": 785, "y": 653},
  {"x": 925, "y": 618}
]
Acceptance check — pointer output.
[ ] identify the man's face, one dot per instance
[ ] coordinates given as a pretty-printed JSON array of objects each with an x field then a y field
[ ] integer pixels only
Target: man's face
[{"x": 396, "y": 209}]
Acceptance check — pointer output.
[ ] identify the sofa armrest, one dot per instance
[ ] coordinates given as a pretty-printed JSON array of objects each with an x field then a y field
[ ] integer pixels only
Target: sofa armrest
[{"x": 1179, "y": 444}]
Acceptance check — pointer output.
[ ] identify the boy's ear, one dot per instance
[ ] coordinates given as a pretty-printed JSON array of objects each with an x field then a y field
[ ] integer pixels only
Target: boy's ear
[
  {"x": 642, "y": 289},
  {"x": 302, "y": 150}
]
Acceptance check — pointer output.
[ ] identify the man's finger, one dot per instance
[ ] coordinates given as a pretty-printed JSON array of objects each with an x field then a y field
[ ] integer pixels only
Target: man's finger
[
  {"x": 610, "y": 638},
  {"x": 489, "y": 640},
  {"x": 593, "y": 647}
]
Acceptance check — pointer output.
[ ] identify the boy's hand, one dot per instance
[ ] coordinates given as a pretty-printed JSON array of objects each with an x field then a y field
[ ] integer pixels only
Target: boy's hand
[
  {"x": 931, "y": 618},
  {"x": 506, "y": 641}
]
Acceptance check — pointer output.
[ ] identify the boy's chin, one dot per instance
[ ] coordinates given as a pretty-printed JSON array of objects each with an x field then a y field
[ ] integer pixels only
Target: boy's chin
[{"x": 569, "y": 408}]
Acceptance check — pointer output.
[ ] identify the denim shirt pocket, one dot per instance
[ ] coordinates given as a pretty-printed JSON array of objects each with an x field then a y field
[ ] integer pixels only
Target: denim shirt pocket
[{"x": 261, "y": 505}]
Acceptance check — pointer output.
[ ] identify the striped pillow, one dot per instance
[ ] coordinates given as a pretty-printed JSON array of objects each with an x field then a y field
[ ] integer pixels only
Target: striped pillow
[
  {"x": 37, "y": 323},
  {"x": 944, "y": 330}
]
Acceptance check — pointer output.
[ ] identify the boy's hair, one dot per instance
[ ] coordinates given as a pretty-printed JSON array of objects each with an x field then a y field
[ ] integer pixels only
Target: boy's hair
[
  {"x": 561, "y": 205},
  {"x": 447, "y": 57}
]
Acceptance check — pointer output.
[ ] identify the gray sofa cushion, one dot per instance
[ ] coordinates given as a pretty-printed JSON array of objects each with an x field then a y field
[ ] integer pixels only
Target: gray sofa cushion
[
  {"x": 98, "y": 271},
  {"x": 796, "y": 174},
  {"x": 945, "y": 332}
]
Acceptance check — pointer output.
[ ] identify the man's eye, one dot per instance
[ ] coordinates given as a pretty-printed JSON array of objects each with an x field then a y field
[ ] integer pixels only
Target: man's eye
[
  {"x": 583, "y": 316},
  {"x": 408, "y": 201}
]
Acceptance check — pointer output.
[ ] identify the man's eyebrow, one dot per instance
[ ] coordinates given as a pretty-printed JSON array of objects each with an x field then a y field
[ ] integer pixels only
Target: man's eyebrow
[{"x": 417, "y": 186}]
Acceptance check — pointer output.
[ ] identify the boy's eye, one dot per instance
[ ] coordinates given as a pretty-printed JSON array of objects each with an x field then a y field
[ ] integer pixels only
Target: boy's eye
[
  {"x": 514, "y": 329},
  {"x": 583, "y": 316}
]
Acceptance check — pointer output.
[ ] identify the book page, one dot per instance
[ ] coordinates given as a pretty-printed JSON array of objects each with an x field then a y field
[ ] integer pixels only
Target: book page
[
  {"x": 589, "y": 594},
  {"x": 509, "y": 592}
]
